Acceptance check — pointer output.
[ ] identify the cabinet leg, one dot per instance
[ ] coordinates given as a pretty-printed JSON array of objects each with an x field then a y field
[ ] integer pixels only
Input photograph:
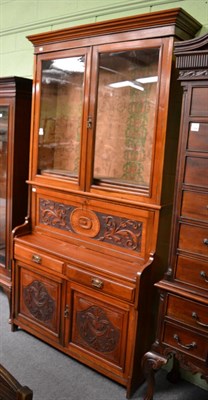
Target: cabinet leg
[{"x": 151, "y": 362}]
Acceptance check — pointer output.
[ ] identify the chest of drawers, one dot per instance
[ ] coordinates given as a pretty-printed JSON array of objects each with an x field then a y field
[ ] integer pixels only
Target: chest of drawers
[{"x": 182, "y": 330}]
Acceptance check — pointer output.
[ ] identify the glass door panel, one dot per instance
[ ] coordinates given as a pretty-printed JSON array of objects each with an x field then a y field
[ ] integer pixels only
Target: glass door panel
[
  {"x": 62, "y": 97},
  {"x": 4, "y": 114},
  {"x": 126, "y": 113}
]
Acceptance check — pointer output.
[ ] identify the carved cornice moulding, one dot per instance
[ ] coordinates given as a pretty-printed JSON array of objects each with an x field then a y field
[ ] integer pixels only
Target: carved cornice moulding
[
  {"x": 182, "y": 24},
  {"x": 192, "y": 55},
  {"x": 81, "y": 15}
]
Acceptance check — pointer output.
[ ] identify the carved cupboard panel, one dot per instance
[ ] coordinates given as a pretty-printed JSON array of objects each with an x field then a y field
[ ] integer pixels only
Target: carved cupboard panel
[
  {"x": 38, "y": 301},
  {"x": 99, "y": 328}
]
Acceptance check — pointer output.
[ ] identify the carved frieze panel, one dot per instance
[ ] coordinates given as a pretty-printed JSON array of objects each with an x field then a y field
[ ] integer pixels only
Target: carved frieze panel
[
  {"x": 190, "y": 74},
  {"x": 122, "y": 232},
  {"x": 54, "y": 214},
  {"x": 38, "y": 301}
]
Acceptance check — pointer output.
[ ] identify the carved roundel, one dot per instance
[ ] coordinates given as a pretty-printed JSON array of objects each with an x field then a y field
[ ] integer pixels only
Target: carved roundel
[{"x": 85, "y": 222}]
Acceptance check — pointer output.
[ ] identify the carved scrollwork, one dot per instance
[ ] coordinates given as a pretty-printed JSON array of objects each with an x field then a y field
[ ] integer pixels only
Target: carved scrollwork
[
  {"x": 193, "y": 74},
  {"x": 96, "y": 329},
  {"x": 151, "y": 362},
  {"x": 54, "y": 214},
  {"x": 122, "y": 232},
  {"x": 38, "y": 301}
]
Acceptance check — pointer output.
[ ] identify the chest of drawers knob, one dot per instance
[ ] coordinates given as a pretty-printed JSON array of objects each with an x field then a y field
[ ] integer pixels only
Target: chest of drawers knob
[
  {"x": 205, "y": 241},
  {"x": 184, "y": 346}
]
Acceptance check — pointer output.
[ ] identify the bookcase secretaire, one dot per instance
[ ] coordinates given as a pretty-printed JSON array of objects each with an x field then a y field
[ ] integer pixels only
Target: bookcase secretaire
[
  {"x": 15, "y": 112},
  {"x": 183, "y": 315},
  {"x": 105, "y": 124}
]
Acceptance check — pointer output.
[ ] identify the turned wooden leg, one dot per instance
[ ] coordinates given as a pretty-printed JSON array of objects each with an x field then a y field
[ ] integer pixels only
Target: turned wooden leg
[{"x": 151, "y": 362}]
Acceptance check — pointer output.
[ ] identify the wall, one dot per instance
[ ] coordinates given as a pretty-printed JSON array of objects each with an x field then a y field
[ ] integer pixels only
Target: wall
[{"x": 19, "y": 18}]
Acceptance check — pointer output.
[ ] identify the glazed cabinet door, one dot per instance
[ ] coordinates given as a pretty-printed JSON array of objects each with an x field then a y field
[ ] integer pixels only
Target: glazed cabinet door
[
  {"x": 98, "y": 329},
  {"x": 99, "y": 115},
  {"x": 38, "y": 302},
  {"x": 61, "y": 112}
]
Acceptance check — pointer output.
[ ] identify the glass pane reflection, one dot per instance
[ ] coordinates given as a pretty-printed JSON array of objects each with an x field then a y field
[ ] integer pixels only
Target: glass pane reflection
[
  {"x": 127, "y": 95},
  {"x": 61, "y": 116},
  {"x": 3, "y": 178}
]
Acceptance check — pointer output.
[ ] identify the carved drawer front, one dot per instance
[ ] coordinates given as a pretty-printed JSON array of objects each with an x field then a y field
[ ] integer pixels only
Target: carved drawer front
[
  {"x": 200, "y": 243},
  {"x": 185, "y": 340},
  {"x": 101, "y": 284},
  {"x": 188, "y": 312},
  {"x": 195, "y": 206},
  {"x": 36, "y": 257},
  {"x": 99, "y": 329},
  {"x": 193, "y": 272},
  {"x": 195, "y": 174},
  {"x": 198, "y": 136},
  {"x": 39, "y": 303}
]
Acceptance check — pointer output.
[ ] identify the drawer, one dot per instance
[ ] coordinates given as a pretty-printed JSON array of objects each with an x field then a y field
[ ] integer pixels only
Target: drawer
[
  {"x": 193, "y": 239},
  {"x": 198, "y": 138},
  {"x": 191, "y": 271},
  {"x": 196, "y": 171},
  {"x": 35, "y": 258},
  {"x": 199, "y": 101},
  {"x": 186, "y": 340},
  {"x": 195, "y": 205},
  {"x": 187, "y": 311},
  {"x": 101, "y": 284}
]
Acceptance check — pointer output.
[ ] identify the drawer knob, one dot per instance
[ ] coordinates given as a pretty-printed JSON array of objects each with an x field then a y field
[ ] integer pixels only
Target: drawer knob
[
  {"x": 196, "y": 317},
  {"x": 36, "y": 258},
  {"x": 203, "y": 275},
  {"x": 184, "y": 346},
  {"x": 97, "y": 283},
  {"x": 205, "y": 241}
]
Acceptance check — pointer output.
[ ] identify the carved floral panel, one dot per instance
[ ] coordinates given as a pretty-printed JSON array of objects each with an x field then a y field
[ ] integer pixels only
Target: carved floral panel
[{"x": 122, "y": 232}]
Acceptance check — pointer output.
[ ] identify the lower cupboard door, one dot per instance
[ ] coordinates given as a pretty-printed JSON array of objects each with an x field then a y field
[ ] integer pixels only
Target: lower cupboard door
[
  {"x": 97, "y": 330},
  {"x": 38, "y": 304}
]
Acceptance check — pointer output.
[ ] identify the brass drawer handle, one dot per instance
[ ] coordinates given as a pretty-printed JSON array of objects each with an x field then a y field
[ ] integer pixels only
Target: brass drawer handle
[
  {"x": 196, "y": 317},
  {"x": 203, "y": 275},
  {"x": 205, "y": 241},
  {"x": 184, "y": 346},
  {"x": 37, "y": 259},
  {"x": 97, "y": 283}
]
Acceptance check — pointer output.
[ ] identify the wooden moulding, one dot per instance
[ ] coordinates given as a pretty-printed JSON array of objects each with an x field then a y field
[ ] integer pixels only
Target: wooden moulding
[{"x": 182, "y": 22}]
